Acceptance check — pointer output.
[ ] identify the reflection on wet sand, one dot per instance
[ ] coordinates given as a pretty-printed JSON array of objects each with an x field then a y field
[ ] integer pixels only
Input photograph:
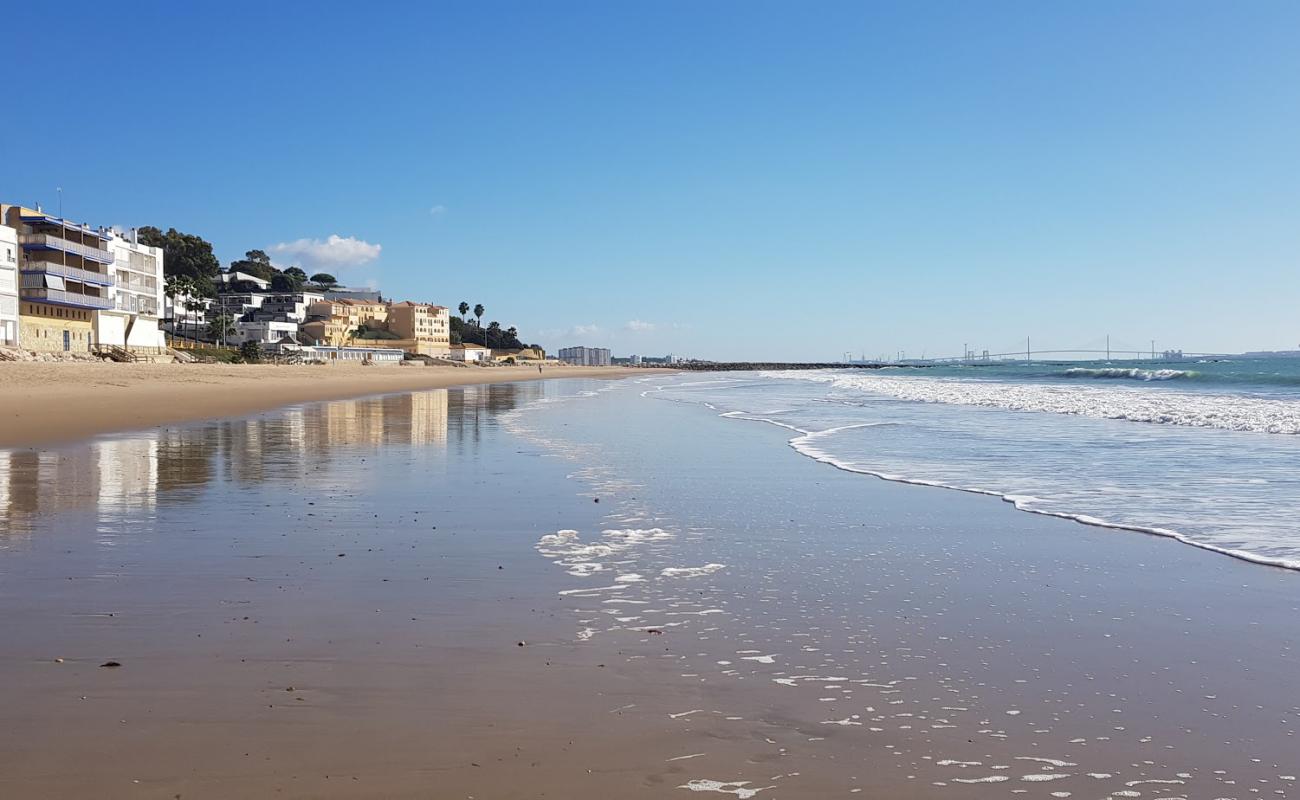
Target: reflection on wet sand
[{"x": 129, "y": 475}]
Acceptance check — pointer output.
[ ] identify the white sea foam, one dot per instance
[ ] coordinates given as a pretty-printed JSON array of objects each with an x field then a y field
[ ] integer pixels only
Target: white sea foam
[
  {"x": 806, "y": 444},
  {"x": 1129, "y": 373},
  {"x": 738, "y": 788},
  {"x": 1201, "y": 410},
  {"x": 690, "y": 572}
]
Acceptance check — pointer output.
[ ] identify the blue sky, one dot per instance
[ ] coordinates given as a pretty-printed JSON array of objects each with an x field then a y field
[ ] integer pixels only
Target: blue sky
[{"x": 719, "y": 179}]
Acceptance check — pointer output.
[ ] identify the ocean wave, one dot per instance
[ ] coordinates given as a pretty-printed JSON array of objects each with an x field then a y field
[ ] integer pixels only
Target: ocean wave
[
  {"x": 1244, "y": 413},
  {"x": 807, "y": 445},
  {"x": 1131, "y": 373}
]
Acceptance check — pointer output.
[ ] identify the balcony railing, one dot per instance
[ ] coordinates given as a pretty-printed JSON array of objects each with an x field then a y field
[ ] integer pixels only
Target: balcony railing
[
  {"x": 53, "y": 242},
  {"x": 75, "y": 273},
  {"x": 66, "y": 298}
]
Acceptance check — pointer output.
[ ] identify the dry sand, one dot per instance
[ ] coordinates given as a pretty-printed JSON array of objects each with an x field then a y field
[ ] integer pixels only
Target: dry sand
[{"x": 52, "y": 403}]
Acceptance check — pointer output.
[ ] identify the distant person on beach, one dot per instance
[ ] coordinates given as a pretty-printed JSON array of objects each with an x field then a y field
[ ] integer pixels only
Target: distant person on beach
[{"x": 539, "y": 369}]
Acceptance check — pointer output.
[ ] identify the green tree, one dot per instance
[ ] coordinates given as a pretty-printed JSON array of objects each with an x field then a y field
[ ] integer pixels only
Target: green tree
[
  {"x": 478, "y": 313},
  {"x": 255, "y": 262},
  {"x": 184, "y": 254},
  {"x": 297, "y": 274},
  {"x": 325, "y": 280},
  {"x": 284, "y": 282},
  {"x": 250, "y": 351},
  {"x": 463, "y": 308},
  {"x": 220, "y": 327}
]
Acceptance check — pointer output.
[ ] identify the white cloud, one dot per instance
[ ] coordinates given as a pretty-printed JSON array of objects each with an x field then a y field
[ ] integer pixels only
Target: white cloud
[
  {"x": 640, "y": 325},
  {"x": 438, "y": 210},
  {"x": 584, "y": 330},
  {"x": 332, "y": 253}
]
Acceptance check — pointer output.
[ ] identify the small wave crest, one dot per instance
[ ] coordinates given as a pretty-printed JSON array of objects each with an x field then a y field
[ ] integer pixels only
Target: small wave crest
[
  {"x": 1128, "y": 403},
  {"x": 1129, "y": 373}
]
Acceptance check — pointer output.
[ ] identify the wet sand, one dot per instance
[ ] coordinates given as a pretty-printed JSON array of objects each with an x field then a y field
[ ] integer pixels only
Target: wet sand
[
  {"x": 47, "y": 403},
  {"x": 328, "y": 602}
]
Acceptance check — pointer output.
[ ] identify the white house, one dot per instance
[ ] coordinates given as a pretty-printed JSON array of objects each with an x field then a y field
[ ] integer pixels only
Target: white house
[
  {"x": 8, "y": 286},
  {"x": 469, "y": 353},
  {"x": 227, "y": 278},
  {"x": 265, "y": 331}
]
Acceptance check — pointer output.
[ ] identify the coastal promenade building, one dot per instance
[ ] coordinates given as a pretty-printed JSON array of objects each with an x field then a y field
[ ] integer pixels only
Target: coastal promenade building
[
  {"x": 137, "y": 293},
  {"x": 65, "y": 277},
  {"x": 427, "y": 328},
  {"x": 8, "y": 286},
  {"x": 81, "y": 287},
  {"x": 585, "y": 356}
]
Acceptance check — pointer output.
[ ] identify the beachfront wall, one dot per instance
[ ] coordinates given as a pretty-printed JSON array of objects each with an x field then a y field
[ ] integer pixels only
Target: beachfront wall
[{"x": 55, "y": 329}]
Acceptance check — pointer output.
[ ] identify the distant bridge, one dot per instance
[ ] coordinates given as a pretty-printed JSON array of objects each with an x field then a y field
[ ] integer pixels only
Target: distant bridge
[{"x": 1041, "y": 355}]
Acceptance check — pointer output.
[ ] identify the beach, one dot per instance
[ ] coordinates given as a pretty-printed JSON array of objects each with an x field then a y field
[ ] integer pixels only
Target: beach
[
  {"x": 589, "y": 588},
  {"x": 66, "y": 402}
]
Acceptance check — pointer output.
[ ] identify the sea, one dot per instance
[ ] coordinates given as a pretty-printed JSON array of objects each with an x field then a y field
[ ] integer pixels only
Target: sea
[{"x": 1205, "y": 452}]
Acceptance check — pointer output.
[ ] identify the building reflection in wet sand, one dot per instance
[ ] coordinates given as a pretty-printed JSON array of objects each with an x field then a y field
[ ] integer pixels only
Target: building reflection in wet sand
[{"x": 124, "y": 478}]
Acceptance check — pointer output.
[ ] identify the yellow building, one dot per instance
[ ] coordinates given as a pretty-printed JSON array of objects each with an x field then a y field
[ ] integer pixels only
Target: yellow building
[{"x": 427, "y": 328}]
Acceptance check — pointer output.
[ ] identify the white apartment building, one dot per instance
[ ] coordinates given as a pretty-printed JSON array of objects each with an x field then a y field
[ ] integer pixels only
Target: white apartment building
[
  {"x": 136, "y": 294},
  {"x": 8, "y": 286}
]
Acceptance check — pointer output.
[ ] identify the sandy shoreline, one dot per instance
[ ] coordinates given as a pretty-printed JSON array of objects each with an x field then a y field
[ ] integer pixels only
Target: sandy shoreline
[{"x": 59, "y": 403}]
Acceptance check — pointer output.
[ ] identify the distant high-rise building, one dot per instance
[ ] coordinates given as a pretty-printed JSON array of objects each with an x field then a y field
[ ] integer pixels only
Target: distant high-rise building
[{"x": 586, "y": 356}]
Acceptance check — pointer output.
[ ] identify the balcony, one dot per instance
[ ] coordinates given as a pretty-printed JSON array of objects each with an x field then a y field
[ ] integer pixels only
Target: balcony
[
  {"x": 66, "y": 298},
  {"x": 75, "y": 273},
  {"x": 47, "y": 241}
]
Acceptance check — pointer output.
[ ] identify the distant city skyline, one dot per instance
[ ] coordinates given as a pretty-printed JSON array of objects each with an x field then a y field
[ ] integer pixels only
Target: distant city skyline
[{"x": 731, "y": 180}]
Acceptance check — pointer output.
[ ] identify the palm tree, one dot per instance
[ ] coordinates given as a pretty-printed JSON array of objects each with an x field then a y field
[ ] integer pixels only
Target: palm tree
[
  {"x": 512, "y": 332},
  {"x": 172, "y": 288},
  {"x": 463, "y": 308},
  {"x": 195, "y": 305},
  {"x": 221, "y": 326},
  {"x": 478, "y": 312}
]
